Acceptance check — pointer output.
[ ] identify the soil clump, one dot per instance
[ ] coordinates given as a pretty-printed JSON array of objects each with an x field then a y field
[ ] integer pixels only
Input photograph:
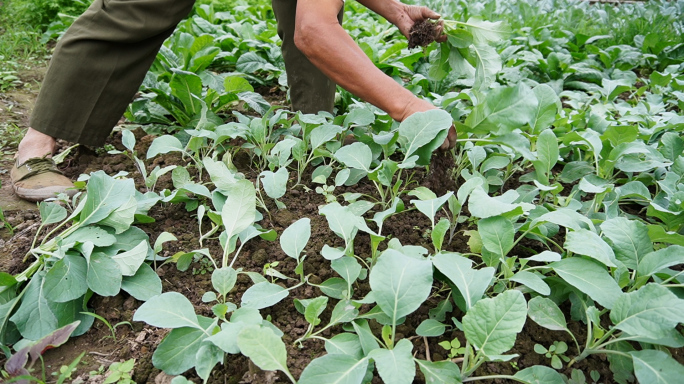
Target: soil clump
[{"x": 422, "y": 33}]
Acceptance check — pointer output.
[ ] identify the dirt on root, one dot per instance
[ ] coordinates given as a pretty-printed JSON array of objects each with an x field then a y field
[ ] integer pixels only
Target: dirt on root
[{"x": 422, "y": 33}]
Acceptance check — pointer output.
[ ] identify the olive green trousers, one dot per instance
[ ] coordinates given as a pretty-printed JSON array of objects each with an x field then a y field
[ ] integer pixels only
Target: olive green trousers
[{"x": 100, "y": 62}]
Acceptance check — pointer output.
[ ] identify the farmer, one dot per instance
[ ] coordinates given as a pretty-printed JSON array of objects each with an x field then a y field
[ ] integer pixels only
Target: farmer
[{"x": 102, "y": 59}]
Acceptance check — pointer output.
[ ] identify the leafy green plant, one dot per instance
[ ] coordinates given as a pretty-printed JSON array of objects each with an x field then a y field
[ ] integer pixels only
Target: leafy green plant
[
  {"x": 555, "y": 352},
  {"x": 120, "y": 372}
]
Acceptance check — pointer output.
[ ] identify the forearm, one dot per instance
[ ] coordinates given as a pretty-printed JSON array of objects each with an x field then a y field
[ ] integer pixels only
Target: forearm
[
  {"x": 389, "y": 9},
  {"x": 325, "y": 43}
]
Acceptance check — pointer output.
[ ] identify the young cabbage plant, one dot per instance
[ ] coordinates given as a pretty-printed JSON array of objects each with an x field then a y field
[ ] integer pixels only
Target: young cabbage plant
[
  {"x": 293, "y": 240},
  {"x": 100, "y": 252},
  {"x": 469, "y": 52},
  {"x": 429, "y": 208},
  {"x": 128, "y": 140},
  {"x": 205, "y": 341}
]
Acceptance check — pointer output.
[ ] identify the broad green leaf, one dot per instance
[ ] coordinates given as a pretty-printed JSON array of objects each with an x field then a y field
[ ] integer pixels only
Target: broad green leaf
[
  {"x": 656, "y": 367},
  {"x": 492, "y": 325},
  {"x": 239, "y": 210},
  {"x": 322, "y": 134},
  {"x": 590, "y": 278},
  {"x": 207, "y": 357},
  {"x": 359, "y": 116},
  {"x": 34, "y": 319},
  {"x": 539, "y": 374},
  {"x": 168, "y": 310},
  {"x": 178, "y": 351},
  {"x": 187, "y": 87},
  {"x": 223, "y": 280},
  {"x": 104, "y": 195},
  {"x": 314, "y": 310},
  {"x": 430, "y": 207},
  {"x": 660, "y": 235},
  {"x": 341, "y": 220},
  {"x": 343, "y": 312},
  {"x": 130, "y": 261},
  {"x": 482, "y": 206},
  {"x": 532, "y": 281},
  {"x": 226, "y": 339},
  {"x": 651, "y": 312},
  {"x": 440, "y": 372},
  {"x": 334, "y": 287},
  {"x": 547, "y": 108},
  {"x": 7, "y": 280},
  {"x": 263, "y": 295},
  {"x": 334, "y": 369},
  {"x": 487, "y": 64},
  {"x": 51, "y": 213},
  {"x": 144, "y": 285},
  {"x": 470, "y": 282},
  {"x": 275, "y": 183},
  {"x": 547, "y": 153},
  {"x": 295, "y": 237},
  {"x": 630, "y": 240},
  {"x": 395, "y": 365},
  {"x": 503, "y": 110},
  {"x": 400, "y": 283},
  {"x": 661, "y": 259},
  {"x": 497, "y": 234},
  {"x": 348, "y": 268},
  {"x": 128, "y": 139},
  {"x": 66, "y": 280},
  {"x": 122, "y": 217},
  {"x": 421, "y": 128},
  {"x": 546, "y": 313},
  {"x": 485, "y": 32},
  {"x": 91, "y": 233},
  {"x": 255, "y": 101},
  {"x": 236, "y": 84},
  {"x": 366, "y": 337},
  {"x": 587, "y": 243},
  {"x": 344, "y": 344},
  {"x": 104, "y": 275},
  {"x": 439, "y": 232},
  {"x": 356, "y": 155},
  {"x": 566, "y": 218},
  {"x": 430, "y": 328},
  {"x": 264, "y": 348},
  {"x": 164, "y": 144}
]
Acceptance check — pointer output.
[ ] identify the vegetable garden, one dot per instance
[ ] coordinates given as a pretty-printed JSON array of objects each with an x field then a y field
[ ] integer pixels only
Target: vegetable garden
[{"x": 222, "y": 238}]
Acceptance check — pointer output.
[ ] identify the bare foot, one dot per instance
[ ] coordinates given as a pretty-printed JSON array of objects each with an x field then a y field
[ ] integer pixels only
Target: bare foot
[{"x": 34, "y": 144}]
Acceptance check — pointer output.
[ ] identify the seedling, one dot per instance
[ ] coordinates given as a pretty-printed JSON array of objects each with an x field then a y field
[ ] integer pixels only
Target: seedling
[
  {"x": 453, "y": 348},
  {"x": 120, "y": 373},
  {"x": 555, "y": 352}
]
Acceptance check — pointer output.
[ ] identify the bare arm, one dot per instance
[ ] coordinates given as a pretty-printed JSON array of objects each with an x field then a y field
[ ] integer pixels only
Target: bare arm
[{"x": 328, "y": 46}]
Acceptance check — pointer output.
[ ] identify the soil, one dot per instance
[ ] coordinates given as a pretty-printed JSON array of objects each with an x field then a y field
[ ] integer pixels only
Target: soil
[
  {"x": 422, "y": 33},
  {"x": 138, "y": 340}
]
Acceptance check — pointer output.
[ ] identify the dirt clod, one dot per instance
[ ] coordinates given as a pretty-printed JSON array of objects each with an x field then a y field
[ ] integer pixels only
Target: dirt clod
[{"x": 422, "y": 33}]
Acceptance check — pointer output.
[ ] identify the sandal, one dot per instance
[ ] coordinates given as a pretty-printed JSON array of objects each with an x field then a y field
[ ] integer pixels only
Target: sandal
[{"x": 38, "y": 179}]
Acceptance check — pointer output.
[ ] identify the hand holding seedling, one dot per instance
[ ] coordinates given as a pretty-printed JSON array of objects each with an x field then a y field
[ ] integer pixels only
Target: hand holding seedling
[{"x": 343, "y": 61}]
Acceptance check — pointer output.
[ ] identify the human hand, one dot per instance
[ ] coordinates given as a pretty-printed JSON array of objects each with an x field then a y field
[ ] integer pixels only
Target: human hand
[{"x": 408, "y": 15}]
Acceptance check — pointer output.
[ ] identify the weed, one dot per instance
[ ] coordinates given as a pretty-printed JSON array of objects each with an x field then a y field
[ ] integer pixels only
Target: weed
[
  {"x": 121, "y": 373},
  {"x": 556, "y": 352}
]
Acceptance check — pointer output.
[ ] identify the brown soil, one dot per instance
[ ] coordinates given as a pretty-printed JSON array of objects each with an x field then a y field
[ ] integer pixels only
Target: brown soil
[{"x": 422, "y": 34}]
